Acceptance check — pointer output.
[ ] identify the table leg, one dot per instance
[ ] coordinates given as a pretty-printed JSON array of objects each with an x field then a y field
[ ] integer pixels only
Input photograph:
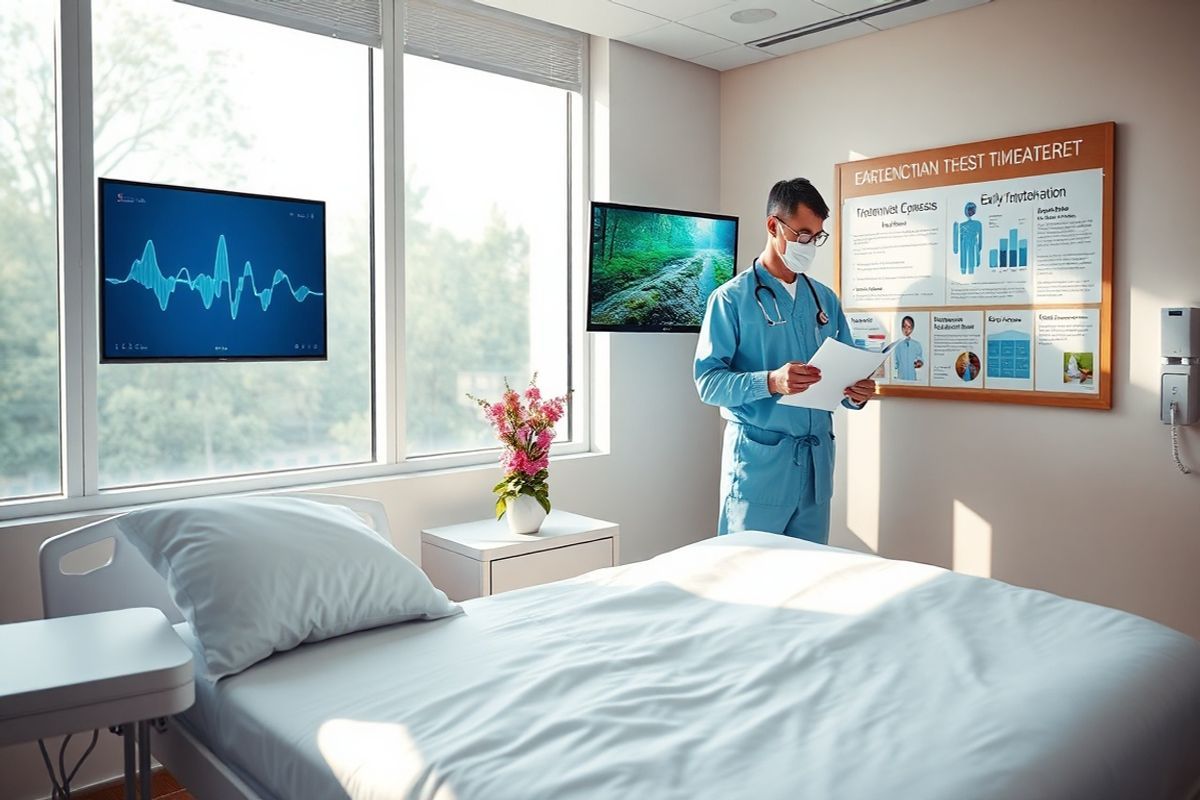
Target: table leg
[
  {"x": 127, "y": 733},
  {"x": 144, "y": 758}
]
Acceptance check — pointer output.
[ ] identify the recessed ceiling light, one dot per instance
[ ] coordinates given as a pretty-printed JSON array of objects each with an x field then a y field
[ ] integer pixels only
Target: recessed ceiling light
[{"x": 749, "y": 16}]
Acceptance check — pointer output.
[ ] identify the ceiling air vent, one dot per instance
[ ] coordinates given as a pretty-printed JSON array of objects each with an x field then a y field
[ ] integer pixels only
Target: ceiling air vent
[{"x": 830, "y": 24}]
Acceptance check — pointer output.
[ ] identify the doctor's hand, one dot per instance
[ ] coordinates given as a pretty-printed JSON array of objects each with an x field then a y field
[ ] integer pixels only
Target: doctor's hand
[
  {"x": 860, "y": 392},
  {"x": 792, "y": 377}
]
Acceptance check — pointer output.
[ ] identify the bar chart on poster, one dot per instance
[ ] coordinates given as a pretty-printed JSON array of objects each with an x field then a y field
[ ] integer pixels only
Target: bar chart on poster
[{"x": 988, "y": 265}]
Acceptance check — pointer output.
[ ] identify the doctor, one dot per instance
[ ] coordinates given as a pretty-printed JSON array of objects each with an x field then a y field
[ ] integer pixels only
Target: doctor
[{"x": 760, "y": 329}]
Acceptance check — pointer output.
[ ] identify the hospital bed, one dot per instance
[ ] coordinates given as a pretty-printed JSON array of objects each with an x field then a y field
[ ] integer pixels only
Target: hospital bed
[{"x": 744, "y": 666}]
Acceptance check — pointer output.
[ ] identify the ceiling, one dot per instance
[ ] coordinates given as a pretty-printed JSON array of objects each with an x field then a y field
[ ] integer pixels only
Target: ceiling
[{"x": 706, "y": 33}]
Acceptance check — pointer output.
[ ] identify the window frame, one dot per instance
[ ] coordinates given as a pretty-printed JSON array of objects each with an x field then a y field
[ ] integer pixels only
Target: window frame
[{"x": 79, "y": 335}]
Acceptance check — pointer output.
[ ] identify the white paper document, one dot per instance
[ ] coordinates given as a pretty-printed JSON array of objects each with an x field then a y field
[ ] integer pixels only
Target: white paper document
[{"x": 841, "y": 365}]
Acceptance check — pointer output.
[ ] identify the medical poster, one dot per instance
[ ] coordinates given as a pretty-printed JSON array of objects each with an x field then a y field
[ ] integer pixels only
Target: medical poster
[
  {"x": 1008, "y": 351},
  {"x": 1067, "y": 343},
  {"x": 957, "y": 349},
  {"x": 910, "y": 359},
  {"x": 993, "y": 260},
  {"x": 893, "y": 251},
  {"x": 871, "y": 333}
]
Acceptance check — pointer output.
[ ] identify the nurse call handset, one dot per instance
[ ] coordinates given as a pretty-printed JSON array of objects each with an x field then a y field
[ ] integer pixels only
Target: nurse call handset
[{"x": 1179, "y": 402}]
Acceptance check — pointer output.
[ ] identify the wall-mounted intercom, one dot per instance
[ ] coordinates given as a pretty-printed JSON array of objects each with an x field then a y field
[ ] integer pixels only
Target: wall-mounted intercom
[{"x": 1179, "y": 397}]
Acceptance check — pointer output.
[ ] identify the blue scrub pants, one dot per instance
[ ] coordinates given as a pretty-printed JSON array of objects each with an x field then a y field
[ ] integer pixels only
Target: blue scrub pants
[{"x": 768, "y": 483}]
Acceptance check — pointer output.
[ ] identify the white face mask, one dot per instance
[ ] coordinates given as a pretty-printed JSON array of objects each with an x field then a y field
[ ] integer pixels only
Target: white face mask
[{"x": 799, "y": 257}]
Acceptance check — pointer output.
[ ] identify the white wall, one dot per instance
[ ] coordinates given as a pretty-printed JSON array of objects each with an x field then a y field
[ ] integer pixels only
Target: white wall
[
  {"x": 1082, "y": 503},
  {"x": 658, "y": 479}
]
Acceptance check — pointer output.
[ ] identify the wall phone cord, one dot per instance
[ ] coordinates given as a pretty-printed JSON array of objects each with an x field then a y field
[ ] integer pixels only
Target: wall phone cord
[{"x": 1175, "y": 440}]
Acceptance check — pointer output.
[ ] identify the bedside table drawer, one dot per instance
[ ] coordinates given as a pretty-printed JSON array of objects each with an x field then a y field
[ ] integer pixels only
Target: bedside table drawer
[{"x": 546, "y": 566}]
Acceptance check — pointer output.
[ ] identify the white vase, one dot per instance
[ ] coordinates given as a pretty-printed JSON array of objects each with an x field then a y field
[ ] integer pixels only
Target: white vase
[{"x": 524, "y": 514}]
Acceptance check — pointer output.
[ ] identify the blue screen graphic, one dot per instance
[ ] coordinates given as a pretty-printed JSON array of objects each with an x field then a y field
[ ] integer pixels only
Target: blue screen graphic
[{"x": 196, "y": 274}]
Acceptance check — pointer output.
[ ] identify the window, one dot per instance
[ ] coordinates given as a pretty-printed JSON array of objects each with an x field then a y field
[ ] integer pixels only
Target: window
[
  {"x": 191, "y": 97},
  {"x": 486, "y": 258},
  {"x": 289, "y": 99},
  {"x": 29, "y": 339},
  {"x": 491, "y": 131}
]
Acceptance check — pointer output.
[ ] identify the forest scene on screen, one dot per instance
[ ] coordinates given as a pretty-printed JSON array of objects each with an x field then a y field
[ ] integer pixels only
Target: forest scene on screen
[{"x": 656, "y": 269}]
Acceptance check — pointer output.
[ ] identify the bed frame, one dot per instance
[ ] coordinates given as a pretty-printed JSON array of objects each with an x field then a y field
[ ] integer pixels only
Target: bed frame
[{"x": 126, "y": 580}]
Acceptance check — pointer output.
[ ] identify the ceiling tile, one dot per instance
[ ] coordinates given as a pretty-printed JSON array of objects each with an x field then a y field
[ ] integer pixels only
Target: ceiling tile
[
  {"x": 673, "y": 9},
  {"x": 789, "y": 14},
  {"x": 597, "y": 17},
  {"x": 678, "y": 41},
  {"x": 894, "y": 19},
  {"x": 808, "y": 42},
  {"x": 732, "y": 58},
  {"x": 853, "y": 6}
]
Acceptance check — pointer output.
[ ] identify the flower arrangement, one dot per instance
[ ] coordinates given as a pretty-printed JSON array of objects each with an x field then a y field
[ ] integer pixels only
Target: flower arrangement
[{"x": 524, "y": 424}]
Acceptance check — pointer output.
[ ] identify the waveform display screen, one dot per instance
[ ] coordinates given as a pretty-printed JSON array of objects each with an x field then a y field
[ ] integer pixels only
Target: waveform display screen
[{"x": 203, "y": 275}]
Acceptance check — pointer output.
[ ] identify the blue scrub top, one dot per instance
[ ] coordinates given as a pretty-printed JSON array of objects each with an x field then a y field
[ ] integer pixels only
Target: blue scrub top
[
  {"x": 737, "y": 349},
  {"x": 908, "y": 352}
]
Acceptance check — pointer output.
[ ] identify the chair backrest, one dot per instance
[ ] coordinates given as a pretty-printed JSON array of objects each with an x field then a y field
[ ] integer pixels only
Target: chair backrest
[{"x": 125, "y": 579}]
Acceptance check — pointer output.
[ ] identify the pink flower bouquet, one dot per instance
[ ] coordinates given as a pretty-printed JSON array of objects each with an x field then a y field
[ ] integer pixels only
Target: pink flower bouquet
[{"x": 524, "y": 424}]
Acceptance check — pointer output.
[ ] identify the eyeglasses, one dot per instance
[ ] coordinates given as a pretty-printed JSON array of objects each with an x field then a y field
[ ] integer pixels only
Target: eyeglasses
[{"x": 817, "y": 239}]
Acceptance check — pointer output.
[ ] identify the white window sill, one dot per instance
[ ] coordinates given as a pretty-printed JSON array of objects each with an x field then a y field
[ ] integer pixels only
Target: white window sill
[{"x": 56, "y": 507}]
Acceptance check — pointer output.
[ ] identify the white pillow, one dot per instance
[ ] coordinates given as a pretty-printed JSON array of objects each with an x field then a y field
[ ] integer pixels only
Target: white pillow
[{"x": 258, "y": 575}]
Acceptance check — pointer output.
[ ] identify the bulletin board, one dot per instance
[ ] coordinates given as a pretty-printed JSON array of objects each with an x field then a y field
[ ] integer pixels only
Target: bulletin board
[{"x": 990, "y": 262}]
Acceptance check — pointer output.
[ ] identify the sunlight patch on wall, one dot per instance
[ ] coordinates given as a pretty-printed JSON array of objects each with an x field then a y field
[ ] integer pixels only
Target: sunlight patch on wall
[
  {"x": 1145, "y": 336},
  {"x": 863, "y": 470},
  {"x": 972, "y": 542}
]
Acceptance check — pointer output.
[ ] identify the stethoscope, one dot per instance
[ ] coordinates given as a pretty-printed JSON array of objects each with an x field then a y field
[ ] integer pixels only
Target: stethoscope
[{"x": 759, "y": 286}]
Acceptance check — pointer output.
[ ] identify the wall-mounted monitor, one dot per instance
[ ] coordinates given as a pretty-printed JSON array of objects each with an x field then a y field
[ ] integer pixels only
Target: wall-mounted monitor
[
  {"x": 202, "y": 275},
  {"x": 652, "y": 269}
]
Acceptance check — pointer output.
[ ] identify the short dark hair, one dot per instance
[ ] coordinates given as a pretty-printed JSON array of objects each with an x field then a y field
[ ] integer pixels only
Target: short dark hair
[
  {"x": 786, "y": 195},
  {"x": 909, "y": 320}
]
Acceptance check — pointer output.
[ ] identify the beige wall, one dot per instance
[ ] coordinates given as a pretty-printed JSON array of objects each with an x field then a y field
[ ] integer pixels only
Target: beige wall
[
  {"x": 1082, "y": 503},
  {"x": 662, "y": 443}
]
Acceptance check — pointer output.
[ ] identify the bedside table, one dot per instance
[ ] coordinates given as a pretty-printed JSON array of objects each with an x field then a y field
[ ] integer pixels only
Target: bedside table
[
  {"x": 481, "y": 558},
  {"x": 90, "y": 671}
]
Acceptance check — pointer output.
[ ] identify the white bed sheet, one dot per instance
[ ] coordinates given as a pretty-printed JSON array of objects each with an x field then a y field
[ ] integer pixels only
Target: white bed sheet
[{"x": 748, "y": 666}]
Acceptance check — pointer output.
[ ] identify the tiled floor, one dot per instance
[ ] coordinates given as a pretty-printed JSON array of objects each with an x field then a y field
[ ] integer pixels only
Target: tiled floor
[{"x": 163, "y": 787}]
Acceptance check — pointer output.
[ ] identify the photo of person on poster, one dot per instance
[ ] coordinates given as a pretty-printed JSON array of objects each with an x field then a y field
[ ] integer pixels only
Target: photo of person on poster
[{"x": 909, "y": 355}]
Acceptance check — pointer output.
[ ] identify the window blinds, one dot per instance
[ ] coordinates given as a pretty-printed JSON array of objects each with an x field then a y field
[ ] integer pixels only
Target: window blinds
[
  {"x": 474, "y": 35},
  {"x": 457, "y": 31},
  {"x": 352, "y": 20}
]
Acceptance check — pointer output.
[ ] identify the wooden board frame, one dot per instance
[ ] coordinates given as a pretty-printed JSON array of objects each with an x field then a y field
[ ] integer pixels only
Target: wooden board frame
[{"x": 1095, "y": 151}]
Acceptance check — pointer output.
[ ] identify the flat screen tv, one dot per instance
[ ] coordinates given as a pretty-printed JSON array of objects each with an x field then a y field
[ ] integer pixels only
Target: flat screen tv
[
  {"x": 202, "y": 275},
  {"x": 652, "y": 269}
]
